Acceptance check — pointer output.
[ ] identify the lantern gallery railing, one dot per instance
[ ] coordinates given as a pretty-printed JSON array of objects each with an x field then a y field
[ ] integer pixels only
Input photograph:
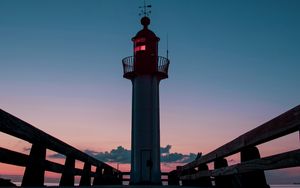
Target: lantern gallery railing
[
  {"x": 128, "y": 64},
  {"x": 162, "y": 66}
]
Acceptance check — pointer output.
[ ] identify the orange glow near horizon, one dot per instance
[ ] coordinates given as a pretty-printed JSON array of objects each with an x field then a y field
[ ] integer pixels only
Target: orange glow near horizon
[
  {"x": 7, "y": 169},
  {"x": 266, "y": 149}
]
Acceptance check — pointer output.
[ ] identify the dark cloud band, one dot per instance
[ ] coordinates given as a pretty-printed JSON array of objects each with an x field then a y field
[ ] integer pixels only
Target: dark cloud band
[{"x": 122, "y": 155}]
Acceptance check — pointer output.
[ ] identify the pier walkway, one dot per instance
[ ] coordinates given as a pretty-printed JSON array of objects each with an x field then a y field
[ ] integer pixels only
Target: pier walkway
[{"x": 248, "y": 173}]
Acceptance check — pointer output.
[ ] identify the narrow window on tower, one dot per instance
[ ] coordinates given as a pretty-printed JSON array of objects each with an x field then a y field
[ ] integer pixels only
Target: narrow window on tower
[
  {"x": 140, "y": 48},
  {"x": 140, "y": 44}
]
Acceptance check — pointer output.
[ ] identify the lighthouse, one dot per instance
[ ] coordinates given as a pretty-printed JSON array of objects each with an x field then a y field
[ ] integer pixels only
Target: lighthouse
[{"x": 145, "y": 69}]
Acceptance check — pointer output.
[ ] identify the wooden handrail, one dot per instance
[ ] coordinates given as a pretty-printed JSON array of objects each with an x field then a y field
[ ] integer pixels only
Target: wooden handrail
[
  {"x": 19, "y": 159},
  {"x": 283, "y": 160},
  {"x": 16, "y": 127},
  {"x": 282, "y": 125},
  {"x": 36, "y": 163}
]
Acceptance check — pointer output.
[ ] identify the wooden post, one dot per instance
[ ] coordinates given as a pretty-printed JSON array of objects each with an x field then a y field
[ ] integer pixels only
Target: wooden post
[
  {"x": 188, "y": 172},
  {"x": 173, "y": 178},
  {"x": 67, "y": 177},
  {"x": 203, "y": 181},
  {"x": 120, "y": 178},
  {"x": 117, "y": 178},
  {"x": 99, "y": 176},
  {"x": 222, "y": 181},
  {"x": 35, "y": 168},
  {"x": 108, "y": 176},
  {"x": 86, "y": 176},
  {"x": 252, "y": 179}
]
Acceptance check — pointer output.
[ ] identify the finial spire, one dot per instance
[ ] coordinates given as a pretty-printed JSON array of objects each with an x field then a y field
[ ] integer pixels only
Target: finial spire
[{"x": 145, "y": 9}]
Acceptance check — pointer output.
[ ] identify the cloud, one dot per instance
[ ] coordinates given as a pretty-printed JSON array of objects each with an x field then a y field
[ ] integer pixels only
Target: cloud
[
  {"x": 178, "y": 158},
  {"x": 57, "y": 156},
  {"x": 165, "y": 150},
  {"x": 168, "y": 157},
  {"x": 122, "y": 155},
  {"x": 26, "y": 149}
]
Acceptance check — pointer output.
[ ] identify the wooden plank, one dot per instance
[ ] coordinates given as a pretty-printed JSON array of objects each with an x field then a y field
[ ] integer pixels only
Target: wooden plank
[
  {"x": 282, "y": 125},
  {"x": 283, "y": 160},
  {"x": 54, "y": 167},
  {"x": 11, "y": 157},
  {"x": 19, "y": 159},
  {"x": 16, "y": 127}
]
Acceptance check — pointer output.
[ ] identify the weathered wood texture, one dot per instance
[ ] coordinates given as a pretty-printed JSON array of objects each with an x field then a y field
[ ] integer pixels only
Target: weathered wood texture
[
  {"x": 16, "y": 127},
  {"x": 282, "y": 125},
  {"x": 283, "y": 160}
]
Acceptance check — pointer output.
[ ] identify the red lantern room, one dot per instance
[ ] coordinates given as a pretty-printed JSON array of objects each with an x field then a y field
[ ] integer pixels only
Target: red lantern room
[
  {"x": 145, "y": 49},
  {"x": 145, "y": 59}
]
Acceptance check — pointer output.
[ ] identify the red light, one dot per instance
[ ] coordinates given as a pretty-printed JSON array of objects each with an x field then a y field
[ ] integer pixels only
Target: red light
[{"x": 140, "y": 48}]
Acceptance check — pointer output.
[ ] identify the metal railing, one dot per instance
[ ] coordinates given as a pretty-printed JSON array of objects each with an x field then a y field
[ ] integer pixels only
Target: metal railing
[
  {"x": 36, "y": 164},
  {"x": 128, "y": 64},
  {"x": 162, "y": 65}
]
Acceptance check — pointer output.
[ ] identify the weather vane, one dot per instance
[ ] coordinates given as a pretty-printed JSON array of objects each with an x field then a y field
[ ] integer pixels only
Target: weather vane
[{"x": 145, "y": 9}]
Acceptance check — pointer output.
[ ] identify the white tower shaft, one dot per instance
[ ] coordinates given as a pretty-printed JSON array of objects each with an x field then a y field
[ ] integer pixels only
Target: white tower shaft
[{"x": 145, "y": 131}]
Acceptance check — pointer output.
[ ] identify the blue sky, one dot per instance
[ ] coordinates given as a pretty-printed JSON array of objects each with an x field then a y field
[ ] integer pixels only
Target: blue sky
[
  {"x": 249, "y": 49},
  {"x": 234, "y": 65}
]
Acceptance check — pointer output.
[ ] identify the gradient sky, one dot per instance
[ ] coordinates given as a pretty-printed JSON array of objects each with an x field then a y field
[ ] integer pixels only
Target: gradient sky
[{"x": 234, "y": 65}]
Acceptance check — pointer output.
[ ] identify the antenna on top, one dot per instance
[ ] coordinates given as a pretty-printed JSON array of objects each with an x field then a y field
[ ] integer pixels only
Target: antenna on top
[
  {"x": 167, "y": 46},
  {"x": 144, "y": 10}
]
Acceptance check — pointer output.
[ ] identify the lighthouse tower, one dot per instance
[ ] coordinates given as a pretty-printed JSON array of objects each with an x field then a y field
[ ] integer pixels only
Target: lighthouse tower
[{"x": 145, "y": 69}]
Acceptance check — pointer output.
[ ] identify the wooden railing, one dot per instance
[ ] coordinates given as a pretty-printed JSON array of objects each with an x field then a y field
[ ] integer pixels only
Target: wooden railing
[
  {"x": 36, "y": 164},
  {"x": 250, "y": 171}
]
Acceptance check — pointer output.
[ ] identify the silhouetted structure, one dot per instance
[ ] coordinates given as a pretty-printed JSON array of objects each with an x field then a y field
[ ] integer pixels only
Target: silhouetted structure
[
  {"x": 36, "y": 164},
  {"x": 249, "y": 172},
  {"x": 145, "y": 70}
]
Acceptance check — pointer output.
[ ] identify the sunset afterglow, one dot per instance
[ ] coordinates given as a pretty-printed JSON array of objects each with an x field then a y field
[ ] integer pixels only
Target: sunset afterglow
[{"x": 234, "y": 66}]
